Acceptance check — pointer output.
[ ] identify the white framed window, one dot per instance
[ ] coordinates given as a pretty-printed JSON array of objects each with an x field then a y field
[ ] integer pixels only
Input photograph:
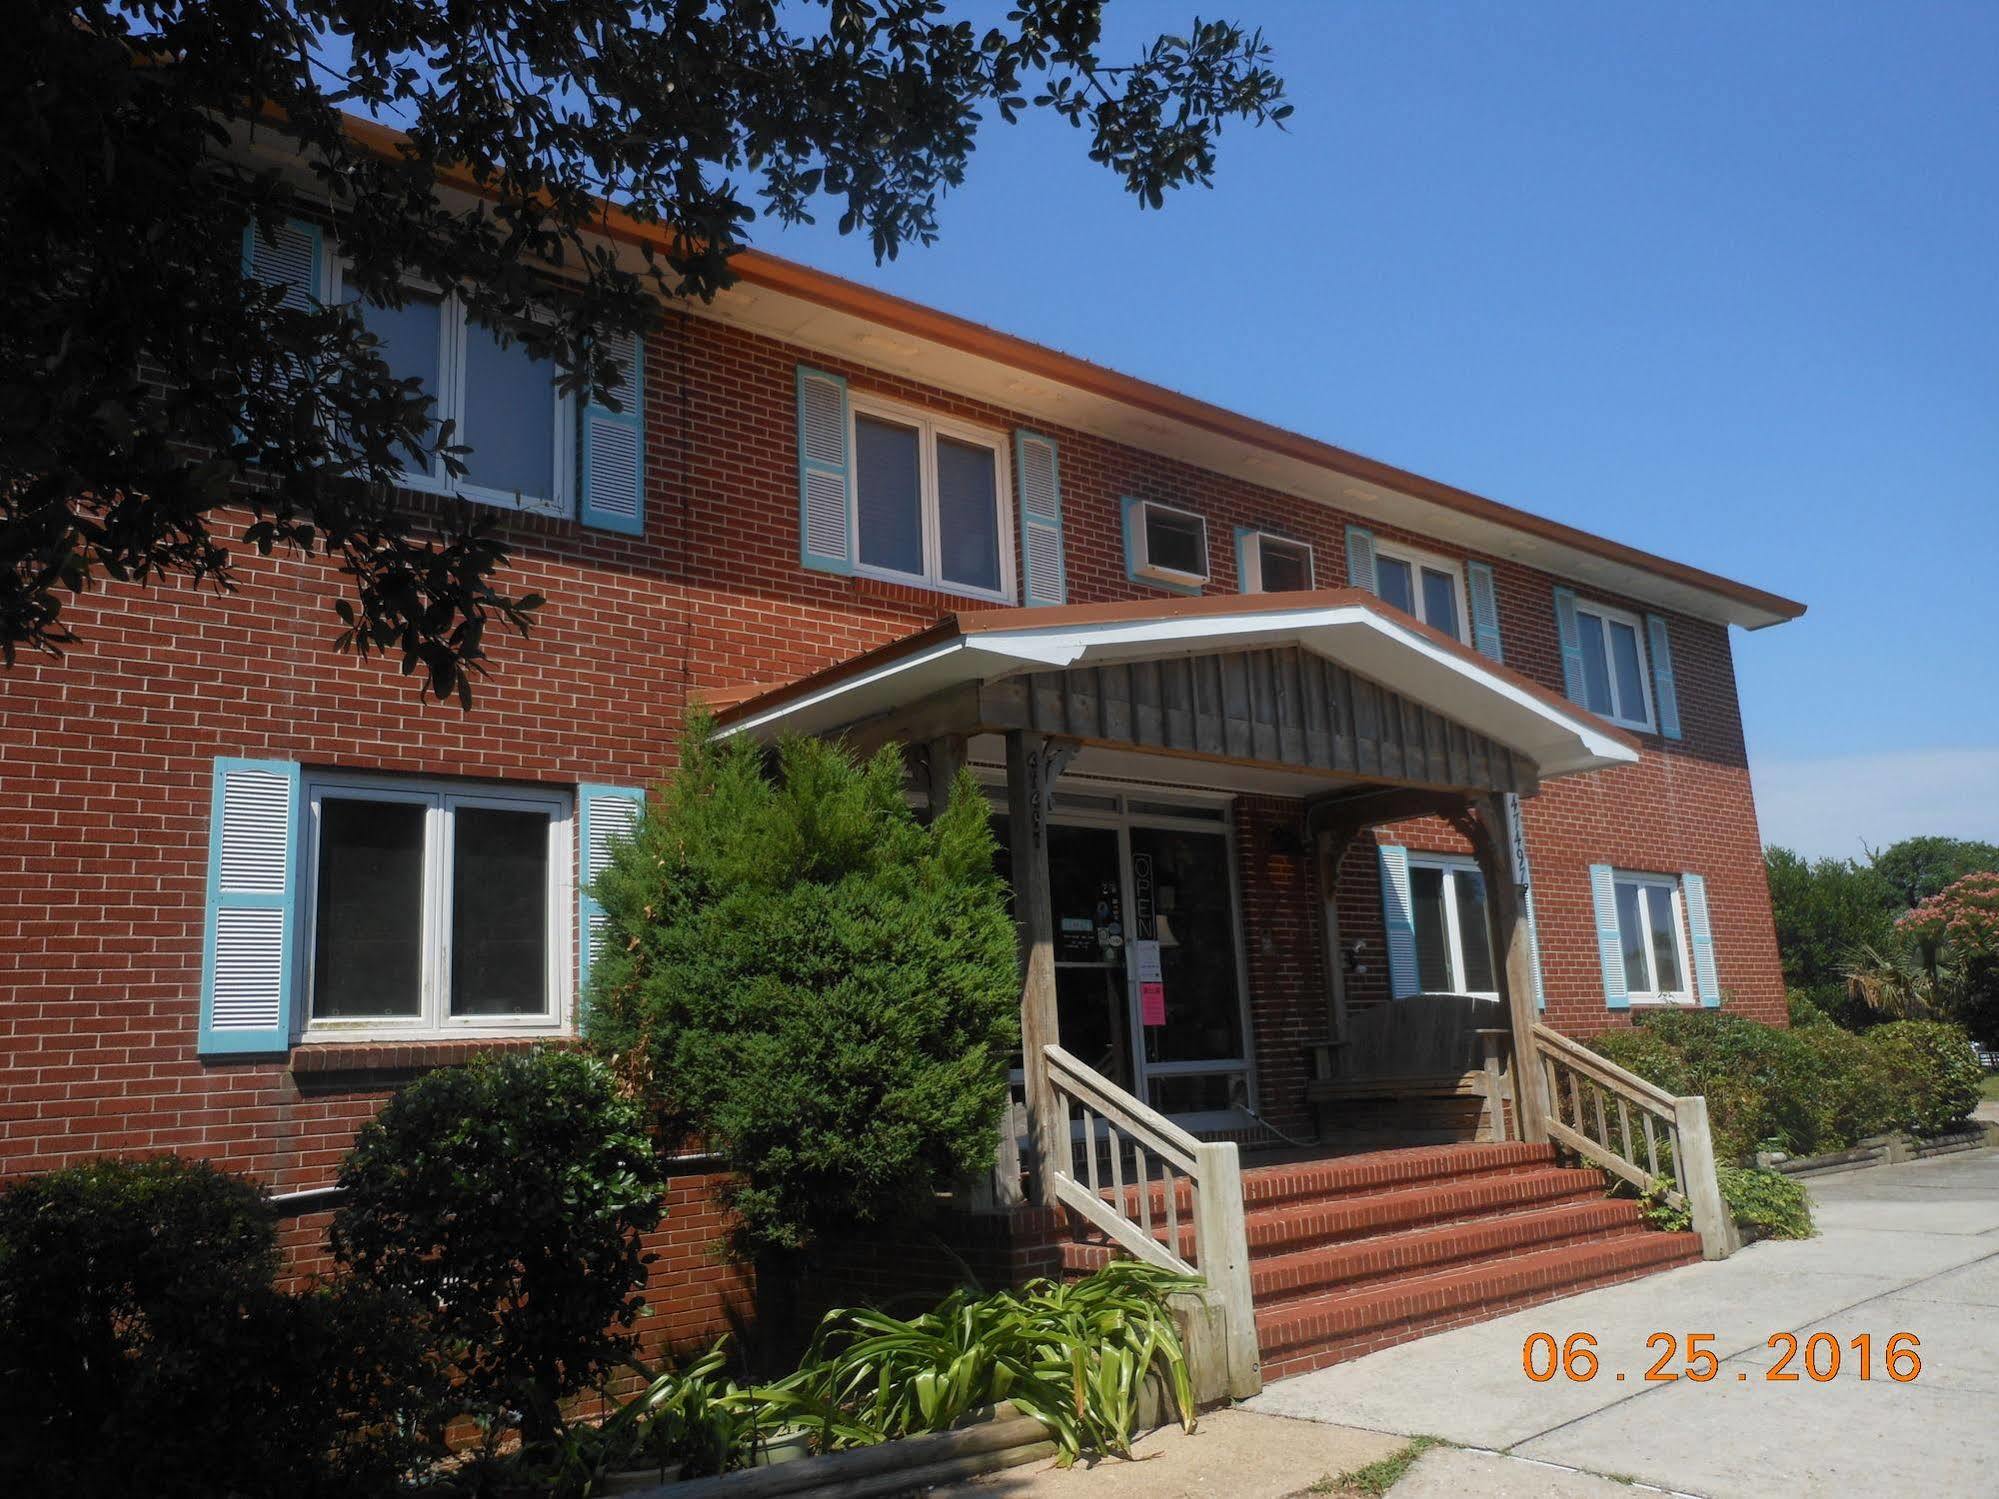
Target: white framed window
[
  {"x": 434, "y": 908},
  {"x": 505, "y": 404},
  {"x": 1164, "y": 544},
  {"x": 1652, "y": 934},
  {"x": 1274, "y": 564},
  {"x": 1453, "y": 926},
  {"x": 932, "y": 500},
  {"x": 1430, "y": 587},
  {"x": 1617, "y": 682}
]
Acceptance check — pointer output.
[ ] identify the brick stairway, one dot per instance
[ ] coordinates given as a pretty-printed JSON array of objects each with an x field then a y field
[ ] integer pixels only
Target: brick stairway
[{"x": 1359, "y": 1252}]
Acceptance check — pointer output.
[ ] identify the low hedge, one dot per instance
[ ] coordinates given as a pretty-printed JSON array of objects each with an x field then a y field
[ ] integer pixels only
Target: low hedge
[{"x": 1805, "y": 1090}]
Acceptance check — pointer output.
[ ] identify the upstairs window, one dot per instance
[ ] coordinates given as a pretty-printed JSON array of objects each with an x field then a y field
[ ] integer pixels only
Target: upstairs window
[
  {"x": 1269, "y": 563},
  {"x": 1430, "y": 588},
  {"x": 1165, "y": 545},
  {"x": 1614, "y": 673},
  {"x": 1651, "y": 928},
  {"x": 930, "y": 501}
]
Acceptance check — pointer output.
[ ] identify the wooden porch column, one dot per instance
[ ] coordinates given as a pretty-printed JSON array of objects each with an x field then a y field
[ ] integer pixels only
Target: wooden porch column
[
  {"x": 1515, "y": 949},
  {"x": 1333, "y": 844},
  {"x": 942, "y": 760},
  {"x": 1027, "y": 809}
]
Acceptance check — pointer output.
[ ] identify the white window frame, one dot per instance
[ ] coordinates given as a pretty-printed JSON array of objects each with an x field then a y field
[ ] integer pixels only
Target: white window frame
[
  {"x": 1416, "y": 562},
  {"x": 1141, "y": 564},
  {"x": 1252, "y": 559},
  {"x": 1454, "y": 950},
  {"x": 1605, "y": 615},
  {"x": 449, "y": 405},
  {"x": 433, "y": 1020},
  {"x": 929, "y": 427},
  {"x": 1670, "y": 883}
]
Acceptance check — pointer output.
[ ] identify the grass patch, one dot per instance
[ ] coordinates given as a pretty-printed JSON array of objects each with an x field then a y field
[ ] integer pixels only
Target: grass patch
[
  {"x": 1988, "y": 1086},
  {"x": 1377, "y": 1478}
]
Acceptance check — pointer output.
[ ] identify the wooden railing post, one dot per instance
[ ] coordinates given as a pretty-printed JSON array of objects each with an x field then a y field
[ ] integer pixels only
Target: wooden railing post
[
  {"x": 1507, "y": 901},
  {"x": 1221, "y": 1241},
  {"x": 1694, "y": 1151}
]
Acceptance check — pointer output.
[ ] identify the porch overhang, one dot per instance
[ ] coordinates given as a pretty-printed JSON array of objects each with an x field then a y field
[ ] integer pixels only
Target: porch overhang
[{"x": 1326, "y": 686}]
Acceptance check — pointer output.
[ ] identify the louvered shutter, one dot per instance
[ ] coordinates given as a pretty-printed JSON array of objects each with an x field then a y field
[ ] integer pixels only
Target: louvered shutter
[
  {"x": 1360, "y": 560},
  {"x": 1572, "y": 644},
  {"x": 1707, "y": 978},
  {"x": 295, "y": 258},
  {"x": 612, "y": 453},
  {"x": 824, "y": 477},
  {"x": 247, "y": 958},
  {"x": 606, "y": 815},
  {"x": 1043, "y": 573},
  {"x": 1398, "y": 916},
  {"x": 1665, "y": 693},
  {"x": 1609, "y": 945},
  {"x": 1484, "y": 610}
]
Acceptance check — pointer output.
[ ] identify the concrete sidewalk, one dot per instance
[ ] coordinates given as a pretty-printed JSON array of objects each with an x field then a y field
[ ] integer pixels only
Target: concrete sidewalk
[{"x": 1911, "y": 1248}]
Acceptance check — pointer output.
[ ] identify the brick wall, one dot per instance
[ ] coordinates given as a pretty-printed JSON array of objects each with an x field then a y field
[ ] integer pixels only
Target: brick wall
[{"x": 105, "y": 782}]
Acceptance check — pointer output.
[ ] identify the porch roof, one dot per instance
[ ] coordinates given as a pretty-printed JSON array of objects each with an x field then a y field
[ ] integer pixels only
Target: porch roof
[{"x": 1040, "y": 652}]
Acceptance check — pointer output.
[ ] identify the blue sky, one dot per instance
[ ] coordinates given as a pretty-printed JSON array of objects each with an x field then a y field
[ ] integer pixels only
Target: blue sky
[{"x": 1718, "y": 281}]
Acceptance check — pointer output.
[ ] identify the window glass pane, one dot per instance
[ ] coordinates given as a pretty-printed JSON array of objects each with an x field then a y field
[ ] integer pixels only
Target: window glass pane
[
  {"x": 1286, "y": 568},
  {"x": 889, "y": 486},
  {"x": 1440, "y": 601},
  {"x": 1474, "y": 933},
  {"x": 499, "y": 912},
  {"x": 1665, "y": 940},
  {"x": 1199, "y": 1092},
  {"x": 1193, "y": 919},
  {"x": 968, "y": 514},
  {"x": 1596, "y": 670},
  {"x": 411, "y": 336},
  {"x": 1631, "y": 933},
  {"x": 1176, "y": 541},
  {"x": 1433, "y": 933},
  {"x": 1630, "y": 676},
  {"x": 509, "y": 417},
  {"x": 1396, "y": 583},
  {"x": 368, "y": 918}
]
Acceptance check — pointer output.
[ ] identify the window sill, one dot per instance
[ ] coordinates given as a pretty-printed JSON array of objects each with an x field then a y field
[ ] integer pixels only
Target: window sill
[
  {"x": 319, "y": 1058},
  {"x": 1689, "y": 1003}
]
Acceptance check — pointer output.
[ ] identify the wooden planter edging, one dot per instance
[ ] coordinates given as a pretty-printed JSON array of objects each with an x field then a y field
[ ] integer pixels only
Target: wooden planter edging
[
  {"x": 1882, "y": 1150},
  {"x": 1001, "y": 1439}
]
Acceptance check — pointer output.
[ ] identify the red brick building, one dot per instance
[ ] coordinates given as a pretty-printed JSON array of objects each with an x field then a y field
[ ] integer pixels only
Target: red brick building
[{"x": 247, "y": 885}]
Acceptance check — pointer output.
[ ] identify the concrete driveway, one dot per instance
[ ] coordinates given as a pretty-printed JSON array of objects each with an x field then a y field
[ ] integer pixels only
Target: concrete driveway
[{"x": 1912, "y": 1248}]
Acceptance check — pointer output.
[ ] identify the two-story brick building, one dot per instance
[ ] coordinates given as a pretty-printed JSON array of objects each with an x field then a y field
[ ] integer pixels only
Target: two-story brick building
[{"x": 246, "y": 884}]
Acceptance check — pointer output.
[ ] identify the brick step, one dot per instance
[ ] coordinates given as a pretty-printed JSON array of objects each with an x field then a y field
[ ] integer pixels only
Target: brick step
[
  {"x": 1368, "y": 1172},
  {"x": 1341, "y": 1267},
  {"x": 1320, "y": 1330},
  {"x": 1313, "y": 1225}
]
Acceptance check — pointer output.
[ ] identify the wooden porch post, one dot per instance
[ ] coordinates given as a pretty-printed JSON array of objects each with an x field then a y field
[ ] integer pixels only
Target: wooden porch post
[
  {"x": 1515, "y": 949},
  {"x": 1027, "y": 809},
  {"x": 1332, "y": 850}
]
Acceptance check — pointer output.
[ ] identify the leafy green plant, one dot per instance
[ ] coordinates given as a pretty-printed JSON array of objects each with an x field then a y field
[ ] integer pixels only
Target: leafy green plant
[
  {"x": 1930, "y": 1071},
  {"x": 1766, "y": 1202},
  {"x": 1075, "y": 1356},
  {"x": 695, "y": 1417},
  {"x": 821, "y": 988},
  {"x": 145, "y": 1348},
  {"x": 508, "y": 1198},
  {"x": 1660, "y": 1211}
]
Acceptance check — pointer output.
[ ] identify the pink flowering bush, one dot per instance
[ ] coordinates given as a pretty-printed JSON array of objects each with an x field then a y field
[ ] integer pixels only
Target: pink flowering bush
[{"x": 1961, "y": 920}]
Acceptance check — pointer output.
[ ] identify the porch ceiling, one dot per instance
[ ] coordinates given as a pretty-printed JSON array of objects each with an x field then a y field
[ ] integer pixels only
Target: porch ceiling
[{"x": 1331, "y": 683}]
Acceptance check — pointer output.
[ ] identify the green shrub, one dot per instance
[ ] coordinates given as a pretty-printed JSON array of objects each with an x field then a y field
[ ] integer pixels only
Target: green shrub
[
  {"x": 144, "y": 1347},
  {"x": 811, "y": 981},
  {"x": 508, "y": 1197},
  {"x": 1767, "y": 1203},
  {"x": 1929, "y": 1073}
]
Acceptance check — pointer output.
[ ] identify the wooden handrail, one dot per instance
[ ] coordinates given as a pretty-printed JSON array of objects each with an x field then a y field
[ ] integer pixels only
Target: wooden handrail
[{"x": 1605, "y": 1071}]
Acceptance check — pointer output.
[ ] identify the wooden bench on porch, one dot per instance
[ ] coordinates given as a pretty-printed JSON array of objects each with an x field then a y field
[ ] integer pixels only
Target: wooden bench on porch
[{"x": 1440, "y": 1051}]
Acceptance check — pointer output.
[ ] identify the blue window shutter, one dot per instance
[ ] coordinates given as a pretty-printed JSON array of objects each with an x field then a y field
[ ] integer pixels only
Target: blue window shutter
[
  {"x": 294, "y": 259},
  {"x": 825, "y": 477},
  {"x": 1484, "y": 610},
  {"x": 612, "y": 451},
  {"x": 1360, "y": 560},
  {"x": 1398, "y": 916},
  {"x": 1534, "y": 948},
  {"x": 250, "y": 932},
  {"x": 605, "y": 816},
  {"x": 1665, "y": 694},
  {"x": 1609, "y": 945},
  {"x": 1038, "y": 476},
  {"x": 1707, "y": 979},
  {"x": 1572, "y": 643}
]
